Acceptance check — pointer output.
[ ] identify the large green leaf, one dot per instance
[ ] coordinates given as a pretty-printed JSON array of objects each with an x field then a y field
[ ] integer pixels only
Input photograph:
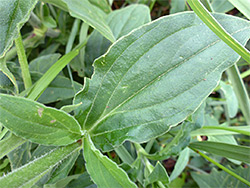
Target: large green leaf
[
  {"x": 121, "y": 22},
  {"x": 103, "y": 171},
  {"x": 221, "y": 179},
  {"x": 90, "y": 14},
  {"x": 29, "y": 174},
  {"x": 38, "y": 123},
  {"x": 143, "y": 85},
  {"x": 13, "y": 14},
  {"x": 221, "y": 5},
  {"x": 240, "y": 153},
  {"x": 243, "y": 6}
]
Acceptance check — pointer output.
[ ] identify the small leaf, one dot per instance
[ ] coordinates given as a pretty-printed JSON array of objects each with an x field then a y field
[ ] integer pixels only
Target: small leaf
[
  {"x": 142, "y": 86},
  {"x": 90, "y": 14},
  {"x": 158, "y": 174},
  {"x": 221, "y": 179},
  {"x": 38, "y": 123},
  {"x": 240, "y": 153},
  {"x": 103, "y": 171},
  {"x": 30, "y": 173},
  {"x": 13, "y": 14}
]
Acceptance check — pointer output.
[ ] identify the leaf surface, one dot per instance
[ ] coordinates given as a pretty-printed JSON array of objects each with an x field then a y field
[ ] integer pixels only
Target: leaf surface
[
  {"x": 38, "y": 123},
  {"x": 13, "y": 14},
  {"x": 103, "y": 171},
  {"x": 30, "y": 173},
  {"x": 155, "y": 77}
]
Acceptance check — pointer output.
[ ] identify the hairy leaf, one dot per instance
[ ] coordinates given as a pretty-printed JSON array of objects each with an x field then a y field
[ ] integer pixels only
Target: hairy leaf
[
  {"x": 38, "y": 123},
  {"x": 13, "y": 14},
  {"x": 103, "y": 171},
  {"x": 30, "y": 173},
  {"x": 153, "y": 78}
]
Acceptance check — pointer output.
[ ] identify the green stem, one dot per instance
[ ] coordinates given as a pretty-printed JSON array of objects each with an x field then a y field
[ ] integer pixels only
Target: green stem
[
  {"x": 240, "y": 91},
  {"x": 222, "y": 167},
  {"x": 209, "y": 20},
  {"x": 245, "y": 74},
  {"x": 23, "y": 62},
  {"x": 124, "y": 155},
  {"x": 151, "y": 6}
]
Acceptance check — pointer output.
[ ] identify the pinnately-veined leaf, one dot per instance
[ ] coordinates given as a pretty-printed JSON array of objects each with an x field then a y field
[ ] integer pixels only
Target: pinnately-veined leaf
[
  {"x": 153, "y": 78},
  {"x": 38, "y": 123}
]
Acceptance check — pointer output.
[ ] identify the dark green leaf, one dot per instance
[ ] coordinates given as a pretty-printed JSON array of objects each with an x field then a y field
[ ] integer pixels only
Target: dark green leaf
[
  {"x": 103, "y": 171},
  {"x": 38, "y": 123},
  {"x": 13, "y": 14},
  {"x": 142, "y": 87},
  {"x": 240, "y": 153}
]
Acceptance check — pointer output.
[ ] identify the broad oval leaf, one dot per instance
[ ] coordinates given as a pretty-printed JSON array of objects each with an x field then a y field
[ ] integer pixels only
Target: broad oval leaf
[
  {"x": 38, "y": 123},
  {"x": 29, "y": 174},
  {"x": 103, "y": 171},
  {"x": 153, "y": 78},
  {"x": 13, "y": 14},
  {"x": 90, "y": 14}
]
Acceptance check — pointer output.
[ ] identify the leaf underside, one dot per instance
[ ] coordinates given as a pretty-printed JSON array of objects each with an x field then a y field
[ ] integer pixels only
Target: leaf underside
[{"x": 153, "y": 78}]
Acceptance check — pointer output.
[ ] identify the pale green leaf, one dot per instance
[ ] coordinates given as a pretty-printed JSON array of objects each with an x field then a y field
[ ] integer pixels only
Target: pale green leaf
[
  {"x": 143, "y": 85},
  {"x": 240, "y": 153},
  {"x": 38, "y": 123},
  {"x": 103, "y": 171},
  {"x": 177, "y": 6},
  {"x": 13, "y": 14},
  {"x": 121, "y": 22},
  {"x": 102, "y": 4},
  {"x": 221, "y": 179},
  {"x": 221, "y": 6},
  {"x": 91, "y": 15},
  {"x": 231, "y": 99},
  {"x": 243, "y": 6},
  {"x": 30, "y": 173}
]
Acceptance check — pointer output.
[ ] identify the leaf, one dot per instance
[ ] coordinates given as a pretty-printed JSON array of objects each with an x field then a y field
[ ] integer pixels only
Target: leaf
[
  {"x": 83, "y": 181},
  {"x": 63, "y": 182},
  {"x": 10, "y": 143},
  {"x": 102, "y": 4},
  {"x": 243, "y": 6},
  {"x": 181, "y": 163},
  {"x": 240, "y": 153},
  {"x": 142, "y": 87},
  {"x": 103, "y": 171},
  {"x": 30, "y": 173},
  {"x": 177, "y": 6},
  {"x": 221, "y": 179},
  {"x": 13, "y": 15},
  {"x": 121, "y": 22},
  {"x": 231, "y": 99},
  {"x": 158, "y": 174},
  {"x": 221, "y": 6},
  {"x": 91, "y": 15},
  {"x": 38, "y": 123}
]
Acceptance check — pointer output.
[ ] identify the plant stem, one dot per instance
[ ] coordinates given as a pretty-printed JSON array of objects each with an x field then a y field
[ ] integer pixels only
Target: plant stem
[
  {"x": 222, "y": 167},
  {"x": 23, "y": 62},
  {"x": 240, "y": 91},
  {"x": 245, "y": 74},
  {"x": 209, "y": 20},
  {"x": 124, "y": 155}
]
